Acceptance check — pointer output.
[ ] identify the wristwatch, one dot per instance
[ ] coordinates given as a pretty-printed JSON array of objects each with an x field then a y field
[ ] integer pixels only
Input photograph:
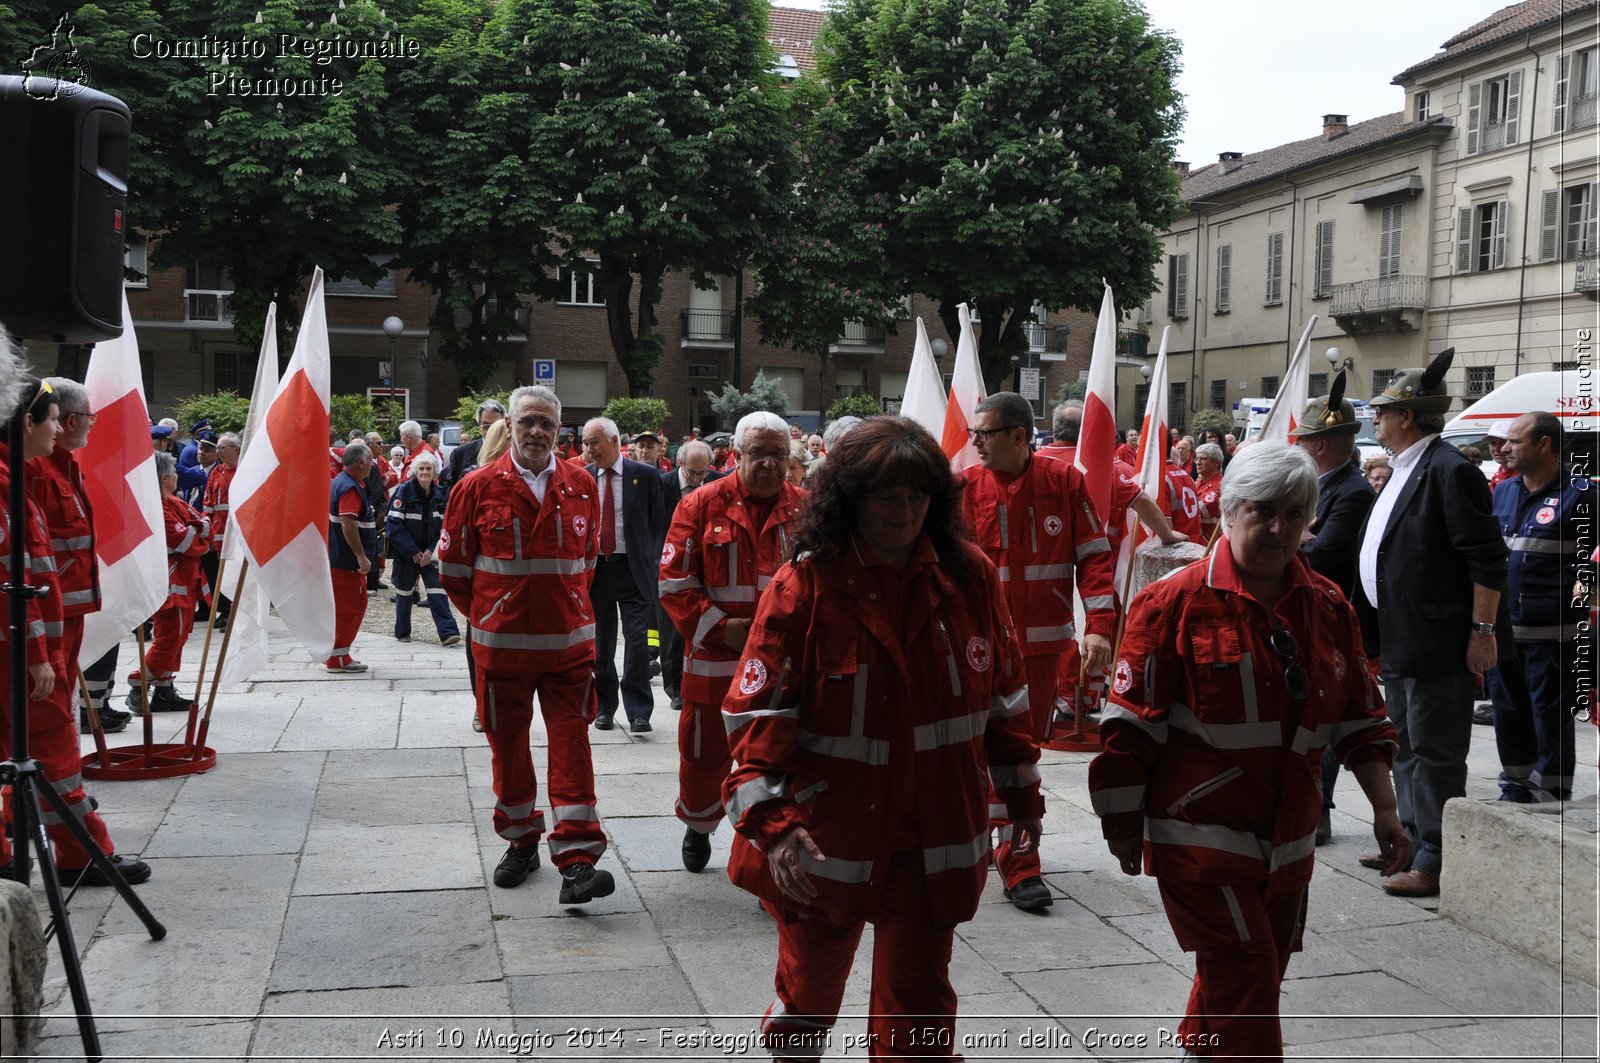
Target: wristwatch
[{"x": 1483, "y": 629}]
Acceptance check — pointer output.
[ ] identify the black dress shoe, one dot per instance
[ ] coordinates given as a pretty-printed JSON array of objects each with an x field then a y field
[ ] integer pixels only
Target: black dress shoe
[
  {"x": 581, "y": 883},
  {"x": 655, "y": 669},
  {"x": 639, "y": 726},
  {"x": 604, "y": 722},
  {"x": 1030, "y": 895},
  {"x": 133, "y": 871},
  {"x": 516, "y": 866},
  {"x": 677, "y": 704},
  {"x": 696, "y": 849}
]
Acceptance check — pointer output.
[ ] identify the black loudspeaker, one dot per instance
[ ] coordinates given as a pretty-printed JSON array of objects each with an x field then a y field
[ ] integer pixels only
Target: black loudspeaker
[{"x": 63, "y": 201}]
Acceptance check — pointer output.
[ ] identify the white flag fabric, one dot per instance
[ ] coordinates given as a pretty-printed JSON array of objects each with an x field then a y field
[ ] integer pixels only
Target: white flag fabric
[
  {"x": 1293, "y": 394},
  {"x": 924, "y": 400},
  {"x": 247, "y": 641},
  {"x": 966, "y": 391},
  {"x": 279, "y": 496},
  {"x": 119, "y": 475},
  {"x": 1152, "y": 457},
  {"x": 1097, "y": 432}
]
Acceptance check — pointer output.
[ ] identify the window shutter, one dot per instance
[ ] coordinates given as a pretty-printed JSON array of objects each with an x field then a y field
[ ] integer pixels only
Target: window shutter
[
  {"x": 1589, "y": 226},
  {"x": 1549, "y": 224},
  {"x": 1464, "y": 240},
  {"x": 1563, "y": 73},
  {"x": 1474, "y": 115},
  {"x": 1274, "y": 268},
  {"x": 1224, "y": 276},
  {"x": 1389, "y": 241},
  {"x": 1172, "y": 286},
  {"x": 1497, "y": 250},
  {"x": 1181, "y": 288},
  {"x": 1324, "y": 280},
  {"x": 1513, "y": 105}
]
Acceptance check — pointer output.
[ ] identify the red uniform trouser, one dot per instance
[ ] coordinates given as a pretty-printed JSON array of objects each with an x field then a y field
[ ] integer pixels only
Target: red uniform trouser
[
  {"x": 1041, "y": 670},
  {"x": 349, "y": 607},
  {"x": 1080, "y": 702},
  {"x": 912, "y": 1006},
  {"x": 1242, "y": 940},
  {"x": 53, "y": 742},
  {"x": 567, "y": 699},
  {"x": 164, "y": 656},
  {"x": 703, "y": 762}
]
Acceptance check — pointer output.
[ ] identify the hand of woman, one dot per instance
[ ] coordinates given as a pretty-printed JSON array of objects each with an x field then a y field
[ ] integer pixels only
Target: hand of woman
[
  {"x": 44, "y": 680},
  {"x": 1025, "y": 835},
  {"x": 1394, "y": 844},
  {"x": 1128, "y": 852},
  {"x": 783, "y": 860}
]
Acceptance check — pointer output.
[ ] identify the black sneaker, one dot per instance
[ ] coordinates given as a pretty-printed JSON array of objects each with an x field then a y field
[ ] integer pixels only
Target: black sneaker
[
  {"x": 514, "y": 867},
  {"x": 696, "y": 849},
  {"x": 167, "y": 699},
  {"x": 581, "y": 883},
  {"x": 639, "y": 726},
  {"x": 133, "y": 872},
  {"x": 604, "y": 722},
  {"x": 1483, "y": 713},
  {"x": 677, "y": 704},
  {"x": 135, "y": 699},
  {"x": 1030, "y": 895},
  {"x": 111, "y": 720}
]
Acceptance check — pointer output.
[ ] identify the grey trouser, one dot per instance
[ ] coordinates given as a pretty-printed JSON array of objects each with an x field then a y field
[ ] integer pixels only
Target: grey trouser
[{"x": 1433, "y": 719}]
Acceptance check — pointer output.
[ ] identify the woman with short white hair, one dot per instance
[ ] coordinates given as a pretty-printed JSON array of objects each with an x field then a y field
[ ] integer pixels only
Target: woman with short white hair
[{"x": 415, "y": 518}]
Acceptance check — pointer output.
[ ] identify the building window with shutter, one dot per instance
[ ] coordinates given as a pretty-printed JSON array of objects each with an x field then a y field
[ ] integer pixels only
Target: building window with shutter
[
  {"x": 1224, "y": 278},
  {"x": 1481, "y": 237},
  {"x": 1177, "y": 404},
  {"x": 1316, "y": 385},
  {"x": 1274, "y": 269},
  {"x": 1177, "y": 287},
  {"x": 1576, "y": 91},
  {"x": 1141, "y": 399},
  {"x": 1480, "y": 381},
  {"x": 1567, "y": 219},
  {"x": 135, "y": 260},
  {"x": 1380, "y": 380},
  {"x": 1422, "y": 107},
  {"x": 576, "y": 288},
  {"x": 1219, "y": 394},
  {"x": 1493, "y": 111},
  {"x": 1389, "y": 240},
  {"x": 1269, "y": 387},
  {"x": 1322, "y": 284}
]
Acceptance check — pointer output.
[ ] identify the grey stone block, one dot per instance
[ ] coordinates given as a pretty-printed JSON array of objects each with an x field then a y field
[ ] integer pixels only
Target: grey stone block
[
  {"x": 377, "y": 1022},
  {"x": 655, "y": 843},
  {"x": 1009, "y": 939},
  {"x": 692, "y": 906},
  {"x": 1512, "y": 1036},
  {"x": 367, "y": 721},
  {"x": 537, "y": 897},
  {"x": 195, "y": 895},
  {"x": 421, "y": 856},
  {"x": 1383, "y": 1003},
  {"x": 541, "y": 946},
  {"x": 233, "y": 828},
  {"x": 1109, "y": 893},
  {"x": 1342, "y": 901},
  {"x": 1519, "y": 874},
  {"x": 22, "y": 981},
  {"x": 211, "y": 1040},
  {"x": 644, "y": 999},
  {"x": 1132, "y": 1001},
  {"x": 386, "y": 939},
  {"x": 387, "y": 802},
  {"x": 354, "y": 764}
]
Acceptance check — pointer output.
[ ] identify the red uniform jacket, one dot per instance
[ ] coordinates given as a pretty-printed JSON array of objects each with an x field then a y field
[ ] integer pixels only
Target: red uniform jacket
[
  {"x": 1210, "y": 492},
  {"x": 873, "y": 707},
  {"x": 1041, "y": 529},
  {"x": 714, "y": 565},
  {"x": 215, "y": 501},
  {"x": 1204, "y": 749},
  {"x": 519, "y": 570},
  {"x": 43, "y": 632},
  {"x": 56, "y": 485},
  {"x": 1182, "y": 501},
  {"x": 186, "y": 582}
]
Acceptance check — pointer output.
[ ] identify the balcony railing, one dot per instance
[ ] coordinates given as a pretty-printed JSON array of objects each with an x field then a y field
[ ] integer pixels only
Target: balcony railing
[
  {"x": 1058, "y": 338},
  {"x": 1587, "y": 279},
  {"x": 1035, "y": 333},
  {"x": 207, "y": 307},
  {"x": 1581, "y": 111},
  {"x": 707, "y": 326},
  {"x": 1133, "y": 343},
  {"x": 1492, "y": 136},
  {"x": 1383, "y": 293},
  {"x": 858, "y": 335}
]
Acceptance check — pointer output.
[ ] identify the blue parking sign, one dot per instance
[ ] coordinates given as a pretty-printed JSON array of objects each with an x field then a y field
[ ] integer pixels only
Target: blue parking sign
[{"x": 544, "y": 370}]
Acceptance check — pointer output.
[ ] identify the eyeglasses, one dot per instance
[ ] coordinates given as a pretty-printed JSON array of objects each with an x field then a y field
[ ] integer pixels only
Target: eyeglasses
[
  {"x": 1295, "y": 677},
  {"x": 981, "y": 435},
  {"x": 528, "y": 424},
  {"x": 483, "y": 426},
  {"x": 767, "y": 457}
]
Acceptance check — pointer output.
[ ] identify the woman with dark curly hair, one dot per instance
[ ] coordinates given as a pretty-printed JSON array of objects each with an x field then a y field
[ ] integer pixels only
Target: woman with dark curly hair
[{"x": 879, "y": 693}]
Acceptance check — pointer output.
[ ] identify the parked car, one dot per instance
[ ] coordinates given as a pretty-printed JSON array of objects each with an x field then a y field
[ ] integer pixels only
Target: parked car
[{"x": 449, "y": 434}]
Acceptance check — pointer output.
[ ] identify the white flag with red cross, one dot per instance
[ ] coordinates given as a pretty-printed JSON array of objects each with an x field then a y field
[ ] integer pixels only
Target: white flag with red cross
[
  {"x": 924, "y": 400},
  {"x": 966, "y": 391},
  {"x": 119, "y": 475},
  {"x": 1097, "y": 433},
  {"x": 1292, "y": 397},
  {"x": 279, "y": 496},
  {"x": 1152, "y": 464}
]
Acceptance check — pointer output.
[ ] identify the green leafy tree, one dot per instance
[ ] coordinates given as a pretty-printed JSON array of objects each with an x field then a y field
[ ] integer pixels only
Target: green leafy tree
[
  {"x": 637, "y": 415},
  {"x": 854, "y": 406},
  {"x": 731, "y": 404},
  {"x": 346, "y": 413},
  {"x": 1022, "y": 150},
  {"x": 657, "y": 132},
  {"x": 1221, "y": 420},
  {"x": 466, "y": 410},
  {"x": 1072, "y": 389},
  {"x": 226, "y": 409}
]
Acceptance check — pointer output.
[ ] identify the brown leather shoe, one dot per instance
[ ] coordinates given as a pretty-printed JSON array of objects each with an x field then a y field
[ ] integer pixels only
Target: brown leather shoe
[
  {"x": 1413, "y": 883},
  {"x": 1373, "y": 860}
]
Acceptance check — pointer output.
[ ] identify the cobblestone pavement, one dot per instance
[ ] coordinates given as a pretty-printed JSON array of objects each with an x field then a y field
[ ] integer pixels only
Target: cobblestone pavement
[{"x": 326, "y": 891}]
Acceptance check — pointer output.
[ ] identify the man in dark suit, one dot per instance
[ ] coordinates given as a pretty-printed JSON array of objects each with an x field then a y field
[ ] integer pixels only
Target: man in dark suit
[
  {"x": 464, "y": 458},
  {"x": 1327, "y": 431},
  {"x": 633, "y": 522},
  {"x": 1433, "y": 563},
  {"x": 694, "y": 469}
]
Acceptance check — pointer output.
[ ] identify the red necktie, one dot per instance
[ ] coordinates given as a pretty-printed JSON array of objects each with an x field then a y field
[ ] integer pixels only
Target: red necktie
[{"x": 608, "y": 526}]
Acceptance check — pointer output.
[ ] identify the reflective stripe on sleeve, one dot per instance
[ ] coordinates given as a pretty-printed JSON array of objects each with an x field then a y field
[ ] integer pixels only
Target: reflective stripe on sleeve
[
  {"x": 713, "y": 669},
  {"x": 64, "y": 546},
  {"x": 1089, "y": 547},
  {"x": 1097, "y": 602},
  {"x": 1002, "y": 706},
  {"x": 1054, "y": 633},
  {"x": 769, "y": 787},
  {"x": 732, "y": 721},
  {"x": 1530, "y": 545},
  {"x": 1157, "y": 732},
  {"x": 1037, "y": 572},
  {"x": 508, "y": 640},
  {"x": 708, "y": 620},
  {"x": 1115, "y": 799},
  {"x": 447, "y": 568},
  {"x": 836, "y": 869},
  {"x": 955, "y": 857},
  {"x": 874, "y": 751},
  {"x": 1010, "y": 776},
  {"x": 533, "y": 566},
  {"x": 673, "y": 586},
  {"x": 949, "y": 732},
  {"x": 1227, "y": 735}
]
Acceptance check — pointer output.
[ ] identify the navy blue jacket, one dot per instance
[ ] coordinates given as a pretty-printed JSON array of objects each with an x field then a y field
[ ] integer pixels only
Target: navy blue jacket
[
  {"x": 339, "y": 553},
  {"x": 1543, "y": 532},
  {"x": 413, "y": 522},
  {"x": 644, "y": 522}
]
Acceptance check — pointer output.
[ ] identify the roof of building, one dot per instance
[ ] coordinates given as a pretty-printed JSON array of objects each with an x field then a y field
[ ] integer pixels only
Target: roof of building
[
  {"x": 1503, "y": 25},
  {"x": 793, "y": 31},
  {"x": 1207, "y": 182}
]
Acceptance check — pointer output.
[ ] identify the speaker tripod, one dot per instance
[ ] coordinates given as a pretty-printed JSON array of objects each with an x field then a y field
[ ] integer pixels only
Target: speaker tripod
[{"x": 27, "y": 779}]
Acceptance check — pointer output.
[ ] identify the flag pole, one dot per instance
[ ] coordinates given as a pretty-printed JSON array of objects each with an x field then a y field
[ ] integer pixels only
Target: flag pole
[
  {"x": 197, "y": 741},
  {"x": 205, "y": 651},
  {"x": 94, "y": 720},
  {"x": 149, "y": 716}
]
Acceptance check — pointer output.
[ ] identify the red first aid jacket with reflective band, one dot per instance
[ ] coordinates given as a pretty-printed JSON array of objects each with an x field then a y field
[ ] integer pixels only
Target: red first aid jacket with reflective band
[
  {"x": 714, "y": 565},
  {"x": 519, "y": 570},
  {"x": 1204, "y": 749},
  {"x": 186, "y": 581},
  {"x": 1210, "y": 492},
  {"x": 1041, "y": 529},
  {"x": 875, "y": 714},
  {"x": 43, "y": 632},
  {"x": 215, "y": 501},
  {"x": 1182, "y": 501},
  {"x": 56, "y": 485}
]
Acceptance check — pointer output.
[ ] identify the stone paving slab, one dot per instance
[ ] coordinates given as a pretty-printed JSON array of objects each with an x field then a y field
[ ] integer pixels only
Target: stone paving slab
[
  {"x": 401, "y": 1023},
  {"x": 374, "y": 802},
  {"x": 640, "y": 999},
  {"x": 543, "y": 946},
  {"x": 386, "y": 859}
]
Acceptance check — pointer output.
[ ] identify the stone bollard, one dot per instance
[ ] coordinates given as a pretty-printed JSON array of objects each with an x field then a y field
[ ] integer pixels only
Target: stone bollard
[
  {"x": 22, "y": 980},
  {"x": 1153, "y": 562}
]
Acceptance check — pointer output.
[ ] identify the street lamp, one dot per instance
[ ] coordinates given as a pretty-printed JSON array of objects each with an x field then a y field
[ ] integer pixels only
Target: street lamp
[
  {"x": 939, "y": 347},
  {"x": 1144, "y": 371},
  {"x": 1334, "y": 356},
  {"x": 392, "y": 327}
]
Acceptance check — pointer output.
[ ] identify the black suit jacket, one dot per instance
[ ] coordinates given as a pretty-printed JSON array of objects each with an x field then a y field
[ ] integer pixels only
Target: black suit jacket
[
  {"x": 672, "y": 490},
  {"x": 1342, "y": 508},
  {"x": 463, "y": 460},
  {"x": 1441, "y": 538},
  {"x": 644, "y": 521}
]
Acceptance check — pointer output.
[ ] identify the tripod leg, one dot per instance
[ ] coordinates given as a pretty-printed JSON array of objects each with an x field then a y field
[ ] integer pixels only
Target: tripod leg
[{"x": 98, "y": 856}]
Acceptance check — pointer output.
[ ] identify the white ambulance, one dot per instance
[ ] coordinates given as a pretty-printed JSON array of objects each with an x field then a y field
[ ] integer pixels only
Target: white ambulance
[{"x": 1569, "y": 394}]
